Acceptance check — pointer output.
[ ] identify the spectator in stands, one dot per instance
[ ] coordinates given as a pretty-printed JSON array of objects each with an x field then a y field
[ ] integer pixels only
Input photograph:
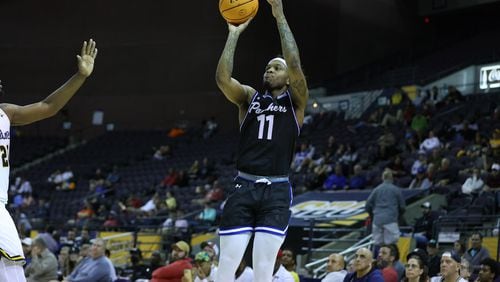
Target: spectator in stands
[
  {"x": 204, "y": 269},
  {"x": 93, "y": 268},
  {"x": 50, "y": 242},
  {"x": 349, "y": 157},
  {"x": 430, "y": 143},
  {"x": 493, "y": 178},
  {"x": 415, "y": 270},
  {"x": 280, "y": 274},
  {"x": 244, "y": 273},
  {"x": 194, "y": 170},
  {"x": 396, "y": 166},
  {"x": 170, "y": 201},
  {"x": 476, "y": 253},
  {"x": 26, "y": 244},
  {"x": 303, "y": 155},
  {"x": 434, "y": 257},
  {"x": 69, "y": 240},
  {"x": 155, "y": 262},
  {"x": 385, "y": 204},
  {"x": 64, "y": 264},
  {"x": 424, "y": 224},
  {"x": 465, "y": 269},
  {"x": 420, "y": 162},
  {"x": 206, "y": 170},
  {"x": 207, "y": 216},
  {"x": 445, "y": 174},
  {"x": 363, "y": 267},
  {"x": 136, "y": 269},
  {"x": 458, "y": 248},
  {"x": 212, "y": 250},
  {"x": 473, "y": 184},
  {"x": 386, "y": 144},
  {"x": 288, "y": 260},
  {"x": 209, "y": 128},
  {"x": 162, "y": 152},
  {"x": 84, "y": 237},
  {"x": 179, "y": 261},
  {"x": 419, "y": 124},
  {"x": 215, "y": 194},
  {"x": 385, "y": 259},
  {"x": 358, "y": 179},
  {"x": 337, "y": 180},
  {"x": 449, "y": 269},
  {"x": 171, "y": 178},
  {"x": 489, "y": 270},
  {"x": 421, "y": 181},
  {"x": 85, "y": 214},
  {"x": 335, "y": 269}
]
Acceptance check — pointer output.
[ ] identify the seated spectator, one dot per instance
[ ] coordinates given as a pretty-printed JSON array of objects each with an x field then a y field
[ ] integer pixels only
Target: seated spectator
[
  {"x": 493, "y": 178},
  {"x": 43, "y": 266},
  {"x": 473, "y": 184},
  {"x": 280, "y": 274},
  {"x": 93, "y": 268},
  {"x": 424, "y": 224},
  {"x": 445, "y": 174},
  {"x": 63, "y": 180},
  {"x": 194, "y": 170},
  {"x": 397, "y": 167},
  {"x": 206, "y": 169},
  {"x": 335, "y": 269},
  {"x": 170, "y": 201},
  {"x": 385, "y": 260},
  {"x": 179, "y": 261},
  {"x": 207, "y": 215},
  {"x": 289, "y": 261},
  {"x": 209, "y": 128},
  {"x": 476, "y": 253},
  {"x": 489, "y": 270},
  {"x": 349, "y": 157},
  {"x": 430, "y": 143},
  {"x": 421, "y": 181},
  {"x": 419, "y": 124},
  {"x": 420, "y": 162},
  {"x": 171, "y": 178},
  {"x": 386, "y": 144},
  {"x": 363, "y": 268},
  {"x": 357, "y": 180},
  {"x": 215, "y": 194},
  {"x": 450, "y": 265},
  {"x": 162, "y": 152},
  {"x": 302, "y": 156},
  {"x": 26, "y": 245},
  {"x": 336, "y": 181},
  {"x": 204, "y": 268}
]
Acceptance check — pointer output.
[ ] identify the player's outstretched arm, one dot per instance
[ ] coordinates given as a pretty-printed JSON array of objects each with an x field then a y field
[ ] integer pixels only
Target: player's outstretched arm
[
  {"x": 21, "y": 115},
  {"x": 234, "y": 91},
  {"x": 298, "y": 83}
]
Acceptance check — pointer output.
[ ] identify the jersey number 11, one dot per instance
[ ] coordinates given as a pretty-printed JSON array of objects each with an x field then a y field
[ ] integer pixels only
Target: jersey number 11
[{"x": 262, "y": 124}]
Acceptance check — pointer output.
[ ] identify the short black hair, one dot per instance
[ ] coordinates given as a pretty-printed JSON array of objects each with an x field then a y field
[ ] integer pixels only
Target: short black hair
[{"x": 492, "y": 264}]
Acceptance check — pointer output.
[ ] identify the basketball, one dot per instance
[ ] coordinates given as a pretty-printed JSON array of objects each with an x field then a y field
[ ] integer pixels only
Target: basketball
[{"x": 238, "y": 11}]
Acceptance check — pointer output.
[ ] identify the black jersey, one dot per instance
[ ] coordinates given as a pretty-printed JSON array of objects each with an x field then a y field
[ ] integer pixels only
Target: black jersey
[{"x": 267, "y": 135}]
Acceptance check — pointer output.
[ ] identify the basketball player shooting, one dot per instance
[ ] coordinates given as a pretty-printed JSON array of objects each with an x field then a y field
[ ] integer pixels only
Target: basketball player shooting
[
  {"x": 11, "y": 252},
  {"x": 270, "y": 123}
]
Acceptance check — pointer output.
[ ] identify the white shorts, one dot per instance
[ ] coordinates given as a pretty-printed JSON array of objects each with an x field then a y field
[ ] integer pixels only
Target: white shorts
[{"x": 10, "y": 244}]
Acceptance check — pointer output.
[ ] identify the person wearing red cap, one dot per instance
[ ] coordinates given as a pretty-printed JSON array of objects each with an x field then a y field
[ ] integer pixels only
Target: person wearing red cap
[
  {"x": 174, "y": 271},
  {"x": 280, "y": 274}
]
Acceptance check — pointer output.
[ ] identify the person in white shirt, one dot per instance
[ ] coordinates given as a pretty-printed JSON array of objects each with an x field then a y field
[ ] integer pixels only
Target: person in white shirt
[
  {"x": 335, "y": 268},
  {"x": 280, "y": 273},
  {"x": 450, "y": 269},
  {"x": 474, "y": 183},
  {"x": 430, "y": 143}
]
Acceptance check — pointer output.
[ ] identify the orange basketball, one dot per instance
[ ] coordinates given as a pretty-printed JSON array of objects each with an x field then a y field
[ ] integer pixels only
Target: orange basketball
[{"x": 238, "y": 11}]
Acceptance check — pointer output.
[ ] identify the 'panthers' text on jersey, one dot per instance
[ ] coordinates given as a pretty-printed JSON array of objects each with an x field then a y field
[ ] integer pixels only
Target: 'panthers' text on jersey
[
  {"x": 4, "y": 156},
  {"x": 267, "y": 135}
]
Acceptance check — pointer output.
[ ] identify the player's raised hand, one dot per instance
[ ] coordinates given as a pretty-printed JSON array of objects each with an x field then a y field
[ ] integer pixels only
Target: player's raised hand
[
  {"x": 277, "y": 7},
  {"x": 239, "y": 28},
  {"x": 86, "y": 58}
]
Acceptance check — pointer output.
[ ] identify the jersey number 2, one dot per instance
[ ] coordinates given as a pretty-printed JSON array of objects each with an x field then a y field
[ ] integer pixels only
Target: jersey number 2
[
  {"x": 262, "y": 124},
  {"x": 4, "y": 155}
]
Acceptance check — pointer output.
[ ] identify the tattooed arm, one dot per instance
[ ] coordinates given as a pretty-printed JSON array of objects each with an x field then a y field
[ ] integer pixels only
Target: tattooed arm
[
  {"x": 234, "y": 91},
  {"x": 290, "y": 50}
]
